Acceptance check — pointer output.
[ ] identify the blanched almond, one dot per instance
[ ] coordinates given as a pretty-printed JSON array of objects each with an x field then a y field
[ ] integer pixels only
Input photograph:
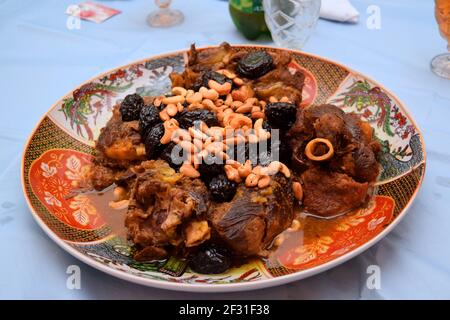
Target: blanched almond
[
  {"x": 197, "y": 97},
  {"x": 298, "y": 190},
  {"x": 171, "y": 109},
  {"x": 188, "y": 170},
  {"x": 258, "y": 115},
  {"x": 174, "y": 100},
  {"x": 264, "y": 182},
  {"x": 238, "y": 81},
  {"x": 251, "y": 180},
  {"x": 179, "y": 91},
  {"x": 245, "y": 108},
  {"x": 222, "y": 89},
  {"x": 232, "y": 173}
]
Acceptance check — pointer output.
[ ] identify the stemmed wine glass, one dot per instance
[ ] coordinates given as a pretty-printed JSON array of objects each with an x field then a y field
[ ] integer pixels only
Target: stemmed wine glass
[
  {"x": 164, "y": 16},
  {"x": 441, "y": 63}
]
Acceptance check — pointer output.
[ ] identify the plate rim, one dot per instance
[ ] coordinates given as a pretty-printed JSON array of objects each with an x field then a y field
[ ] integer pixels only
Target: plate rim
[{"x": 230, "y": 287}]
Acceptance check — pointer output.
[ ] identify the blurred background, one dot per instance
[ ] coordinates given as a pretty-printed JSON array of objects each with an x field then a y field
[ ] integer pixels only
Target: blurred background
[{"x": 45, "y": 53}]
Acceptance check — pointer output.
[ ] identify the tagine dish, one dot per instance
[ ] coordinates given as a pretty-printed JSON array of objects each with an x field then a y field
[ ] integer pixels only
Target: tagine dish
[{"x": 223, "y": 168}]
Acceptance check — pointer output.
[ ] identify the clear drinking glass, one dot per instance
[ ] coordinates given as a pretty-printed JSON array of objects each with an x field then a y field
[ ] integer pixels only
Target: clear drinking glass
[
  {"x": 441, "y": 63},
  {"x": 164, "y": 17},
  {"x": 291, "y": 22}
]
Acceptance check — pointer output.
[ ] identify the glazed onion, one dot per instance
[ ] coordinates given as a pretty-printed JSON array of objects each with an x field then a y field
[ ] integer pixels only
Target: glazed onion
[{"x": 311, "y": 146}]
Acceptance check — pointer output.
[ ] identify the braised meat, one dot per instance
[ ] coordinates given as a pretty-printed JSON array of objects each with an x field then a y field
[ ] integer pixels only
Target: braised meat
[
  {"x": 276, "y": 80},
  {"x": 201, "y": 62},
  {"x": 350, "y": 170},
  {"x": 166, "y": 210},
  {"x": 329, "y": 193},
  {"x": 118, "y": 143},
  {"x": 162, "y": 154},
  {"x": 118, "y": 147},
  {"x": 250, "y": 222},
  {"x": 280, "y": 82}
]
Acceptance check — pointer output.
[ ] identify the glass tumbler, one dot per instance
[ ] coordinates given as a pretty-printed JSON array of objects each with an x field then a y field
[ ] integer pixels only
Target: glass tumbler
[{"x": 291, "y": 22}]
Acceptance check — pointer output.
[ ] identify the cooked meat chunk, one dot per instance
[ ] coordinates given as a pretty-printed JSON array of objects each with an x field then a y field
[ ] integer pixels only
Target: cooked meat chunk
[
  {"x": 329, "y": 126},
  {"x": 197, "y": 232},
  {"x": 307, "y": 118},
  {"x": 367, "y": 168},
  {"x": 279, "y": 82},
  {"x": 328, "y": 193},
  {"x": 200, "y": 62},
  {"x": 354, "y": 145},
  {"x": 341, "y": 182},
  {"x": 150, "y": 253},
  {"x": 250, "y": 222},
  {"x": 118, "y": 143},
  {"x": 161, "y": 205},
  {"x": 102, "y": 177}
]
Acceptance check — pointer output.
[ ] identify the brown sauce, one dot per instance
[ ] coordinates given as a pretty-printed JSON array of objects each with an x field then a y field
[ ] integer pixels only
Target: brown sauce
[
  {"x": 114, "y": 218},
  {"x": 311, "y": 227}
]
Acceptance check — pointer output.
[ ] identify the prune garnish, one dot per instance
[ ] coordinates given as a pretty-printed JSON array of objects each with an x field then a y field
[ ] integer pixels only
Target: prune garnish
[
  {"x": 240, "y": 152},
  {"x": 266, "y": 126},
  {"x": 210, "y": 259},
  {"x": 279, "y": 150},
  {"x": 210, "y": 75},
  {"x": 255, "y": 64},
  {"x": 131, "y": 106},
  {"x": 285, "y": 153},
  {"x": 148, "y": 118},
  {"x": 221, "y": 189},
  {"x": 187, "y": 118},
  {"x": 153, "y": 145},
  {"x": 174, "y": 160},
  {"x": 210, "y": 167},
  {"x": 281, "y": 115}
]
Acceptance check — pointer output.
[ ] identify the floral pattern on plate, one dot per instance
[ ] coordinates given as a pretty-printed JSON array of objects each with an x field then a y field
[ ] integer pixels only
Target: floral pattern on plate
[
  {"x": 87, "y": 109},
  {"x": 397, "y": 134},
  {"x": 338, "y": 236},
  {"x": 53, "y": 178}
]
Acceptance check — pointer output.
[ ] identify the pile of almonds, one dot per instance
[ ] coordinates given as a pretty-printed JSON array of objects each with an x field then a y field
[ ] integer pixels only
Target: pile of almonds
[
  {"x": 257, "y": 176},
  {"x": 235, "y": 113},
  {"x": 202, "y": 141},
  {"x": 230, "y": 111}
]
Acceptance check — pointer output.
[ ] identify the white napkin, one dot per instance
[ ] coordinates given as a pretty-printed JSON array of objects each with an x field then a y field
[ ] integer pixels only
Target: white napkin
[{"x": 339, "y": 10}]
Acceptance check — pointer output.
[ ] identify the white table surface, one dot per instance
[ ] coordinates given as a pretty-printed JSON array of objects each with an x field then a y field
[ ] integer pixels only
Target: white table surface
[{"x": 41, "y": 60}]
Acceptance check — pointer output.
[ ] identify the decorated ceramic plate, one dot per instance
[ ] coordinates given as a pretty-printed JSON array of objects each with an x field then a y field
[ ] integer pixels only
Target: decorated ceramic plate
[{"x": 61, "y": 148}]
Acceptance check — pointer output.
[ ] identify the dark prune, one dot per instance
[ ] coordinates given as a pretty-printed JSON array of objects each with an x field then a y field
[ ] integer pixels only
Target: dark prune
[
  {"x": 276, "y": 151},
  {"x": 281, "y": 115},
  {"x": 210, "y": 259},
  {"x": 210, "y": 167},
  {"x": 174, "y": 160},
  {"x": 131, "y": 106},
  {"x": 153, "y": 145},
  {"x": 148, "y": 118},
  {"x": 240, "y": 152},
  {"x": 210, "y": 75},
  {"x": 285, "y": 153},
  {"x": 221, "y": 189},
  {"x": 255, "y": 64},
  {"x": 266, "y": 126},
  {"x": 187, "y": 118}
]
